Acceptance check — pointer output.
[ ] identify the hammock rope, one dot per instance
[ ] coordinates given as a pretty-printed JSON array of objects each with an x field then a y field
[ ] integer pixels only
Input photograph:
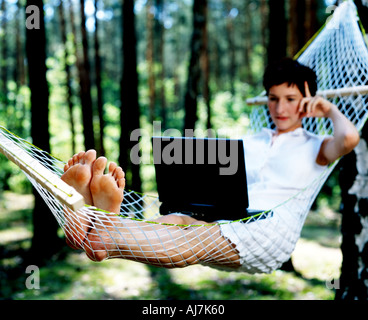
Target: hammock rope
[{"x": 339, "y": 56}]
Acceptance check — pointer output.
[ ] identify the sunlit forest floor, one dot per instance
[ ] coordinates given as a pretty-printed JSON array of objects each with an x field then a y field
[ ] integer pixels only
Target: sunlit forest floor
[{"x": 73, "y": 276}]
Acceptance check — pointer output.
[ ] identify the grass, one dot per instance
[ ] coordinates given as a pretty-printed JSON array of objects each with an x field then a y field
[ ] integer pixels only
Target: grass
[{"x": 72, "y": 276}]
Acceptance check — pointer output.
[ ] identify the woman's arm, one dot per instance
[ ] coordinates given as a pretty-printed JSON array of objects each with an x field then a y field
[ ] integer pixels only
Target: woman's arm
[{"x": 345, "y": 137}]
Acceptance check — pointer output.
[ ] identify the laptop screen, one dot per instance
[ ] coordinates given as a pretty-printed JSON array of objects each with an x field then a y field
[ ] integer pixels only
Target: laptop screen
[{"x": 204, "y": 177}]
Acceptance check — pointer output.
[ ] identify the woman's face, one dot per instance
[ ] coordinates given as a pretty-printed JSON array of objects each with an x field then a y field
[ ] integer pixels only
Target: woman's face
[{"x": 283, "y": 103}]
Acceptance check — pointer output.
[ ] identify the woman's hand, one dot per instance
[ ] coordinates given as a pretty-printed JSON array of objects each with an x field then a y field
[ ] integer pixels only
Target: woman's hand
[
  {"x": 345, "y": 137},
  {"x": 316, "y": 106}
]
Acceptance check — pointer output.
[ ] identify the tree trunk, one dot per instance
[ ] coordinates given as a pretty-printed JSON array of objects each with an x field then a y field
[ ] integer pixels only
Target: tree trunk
[
  {"x": 264, "y": 16},
  {"x": 230, "y": 34},
  {"x": 277, "y": 26},
  {"x": 297, "y": 39},
  {"x": 311, "y": 21},
  {"x": 354, "y": 247},
  {"x": 130, "y": 113},
  {"x": 353, "y": 284},
  {"x": 85, "y": 84},
  {"x": 249, "y": 45},
  {"x": 4, "y": 58},
  {"x": 178, "y": 88},
  {"x": 78, "y": 61},
  {"x": 68, "y": 75},
  {"x": 101, "y": 147},
  {"x": 160, "y": 32},
  {"x": 45, "y": 239},
  {"x": 206, "y": 73},
  {"x": 194, "y": 71},
  {"x": 19, "y": 70},
  {"x": 150, "y": 61}
]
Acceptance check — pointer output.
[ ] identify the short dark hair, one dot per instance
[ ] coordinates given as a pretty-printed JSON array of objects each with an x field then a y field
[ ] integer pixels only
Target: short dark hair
[{"x": 292, "y": 72}]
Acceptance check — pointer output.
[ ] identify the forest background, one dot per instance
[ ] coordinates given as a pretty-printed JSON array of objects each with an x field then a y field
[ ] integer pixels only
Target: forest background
[{"x": 85, "y": 74}]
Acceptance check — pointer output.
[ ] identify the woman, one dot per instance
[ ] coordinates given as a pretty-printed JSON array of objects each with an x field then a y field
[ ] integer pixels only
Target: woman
[{"x": 279, "y": 163}]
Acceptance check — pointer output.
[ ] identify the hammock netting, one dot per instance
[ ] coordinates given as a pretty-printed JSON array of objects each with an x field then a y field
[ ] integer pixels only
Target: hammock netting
[{"x": 339, "y": 56}]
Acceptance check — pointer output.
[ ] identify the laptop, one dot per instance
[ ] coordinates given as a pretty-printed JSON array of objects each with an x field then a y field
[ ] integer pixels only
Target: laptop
[{"x": 204, "y": 178}]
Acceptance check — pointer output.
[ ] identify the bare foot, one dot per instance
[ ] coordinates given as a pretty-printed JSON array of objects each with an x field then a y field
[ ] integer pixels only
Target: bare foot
[
  {"x": 78, "y": 173},
  {"x": 107, "y": 189},
  {"x": 107, "y": 193}
]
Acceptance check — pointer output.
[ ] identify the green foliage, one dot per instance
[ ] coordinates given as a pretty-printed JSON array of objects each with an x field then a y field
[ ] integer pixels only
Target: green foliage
[
  {"x": 11, "y": 177},
  {"x": 229, "y": 113}
]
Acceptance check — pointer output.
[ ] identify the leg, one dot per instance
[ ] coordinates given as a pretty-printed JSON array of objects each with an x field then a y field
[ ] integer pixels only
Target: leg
[
  {"x": 158, "y": 244},
  {"x": 152, "y": 243}
]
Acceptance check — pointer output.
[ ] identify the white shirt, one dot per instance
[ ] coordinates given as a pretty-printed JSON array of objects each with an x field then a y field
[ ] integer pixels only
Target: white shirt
[{"x": 276, "y": 170}]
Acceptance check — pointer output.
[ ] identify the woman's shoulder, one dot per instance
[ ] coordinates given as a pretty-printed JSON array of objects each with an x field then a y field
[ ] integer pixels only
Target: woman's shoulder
[
  {"x": 313, "y": 136},
  {"x": 263, "y": 134}
]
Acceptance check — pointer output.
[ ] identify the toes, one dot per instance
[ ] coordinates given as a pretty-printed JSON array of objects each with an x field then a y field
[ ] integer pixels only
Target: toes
[
  {"x": 119, "y": 176},
  {"x": 75, "y": 159},
  {"x": 119, "y": 173},
  {"x": 99, "y": 166},
  {"x": 116, "y": 172},
  {"x": 70, "y": 162},
  {"x": 121, "y": 183},
  {"x": 112, "y": 167},
  {"x": 89, "y": 157},
  {"x": 80, "y": 158}
]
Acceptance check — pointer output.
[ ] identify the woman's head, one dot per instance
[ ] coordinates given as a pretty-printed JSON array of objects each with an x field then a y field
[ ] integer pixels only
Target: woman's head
[
  {"x": 291, "y": 72},
  {"x": 285, "y": 82}
]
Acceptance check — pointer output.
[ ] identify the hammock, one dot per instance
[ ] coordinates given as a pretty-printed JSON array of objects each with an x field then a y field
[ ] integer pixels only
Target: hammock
[{"x": 339, "y": 56}]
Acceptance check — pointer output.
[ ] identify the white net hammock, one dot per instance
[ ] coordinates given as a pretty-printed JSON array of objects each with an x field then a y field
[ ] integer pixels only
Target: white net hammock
[{"x": 339, "y": 56}]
